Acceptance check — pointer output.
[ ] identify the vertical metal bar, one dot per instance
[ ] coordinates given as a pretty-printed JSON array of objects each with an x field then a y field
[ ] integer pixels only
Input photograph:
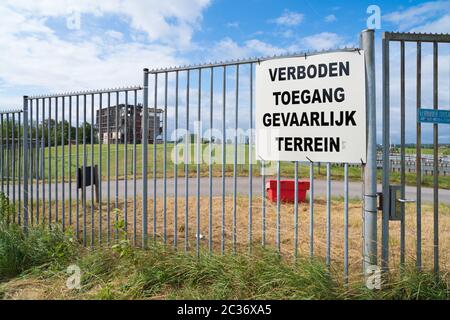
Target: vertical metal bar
[
  {"x": 49, "y": 153},
  {"x": 69, "y": 138},
  {"x": 199, "y": 141},
  {"x": 20, "y": 146},
  {"x": 125, "y": 167},
  {"x": 250, "y": 165},
  {"x": 116, "y": 203},
  {"x": 296, "y": 210},
  {"x": 92, "y": 174},
  {"x": 263, "y": 205},
  {"x": 155, "y": 116},
  {"x": 63, "y": 183},
  {"x": 134, "y": 170},
  {"x": 328, "y": 254},
  {"x": 25, "y": 164},
  {"x": 278, "y": 207},
  {"x": 83, "y": 194},
  {"x": 311, "y": 209},
  {"x": 223, "y": 154},
  {"x": 2, "y": 166},
  {"x": 38, "y": 174},
  {"x": 346, "y": 223},
  {"x": 14, "y": 163},
  {"x": 144, "y": 159},
  {"x": 100, "y": 171},
  {"x": 211, "y": 124},
  {"x": 370, "y": 178},
  {"x": 77, "y": 124},
  {"x": 43, "y": 146},
  {"x": 435, "y": 161},
  {"x": 30, "y": 155},
  {"x": 165, "y": 158},
  {"x": 386, "y": 163},
  {"x": 42, "y": 166},
  {"x": 402, "y": 151},
  {"x": 7, "y": 155},
  {"x": 175, "y": 168},
  {"x": 108, "y": 169},
  {"x": 56, "y": 160},
  {"x": 235, "y": 161},
  {"x": 186, "y": 168},
  {"x": 419, "y": 158}
]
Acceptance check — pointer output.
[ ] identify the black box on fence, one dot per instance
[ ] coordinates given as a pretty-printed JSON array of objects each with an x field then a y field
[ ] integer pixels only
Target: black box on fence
[{"x": 85, "y": 177}]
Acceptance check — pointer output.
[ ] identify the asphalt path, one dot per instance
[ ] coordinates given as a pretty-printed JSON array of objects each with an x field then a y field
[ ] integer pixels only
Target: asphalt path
[{"x": 242, "y": 188}]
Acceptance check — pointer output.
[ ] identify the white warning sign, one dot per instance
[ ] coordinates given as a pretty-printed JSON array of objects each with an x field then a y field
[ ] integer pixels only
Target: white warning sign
[{"x": 312, "y": 108}]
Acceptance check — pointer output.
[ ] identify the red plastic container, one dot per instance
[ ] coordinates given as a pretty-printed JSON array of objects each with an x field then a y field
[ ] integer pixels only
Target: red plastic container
[{"x": 287, "y": 190}]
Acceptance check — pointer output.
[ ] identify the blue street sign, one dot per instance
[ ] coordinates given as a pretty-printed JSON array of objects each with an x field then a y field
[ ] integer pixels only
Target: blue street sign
[{"x": 433, "y": 116}]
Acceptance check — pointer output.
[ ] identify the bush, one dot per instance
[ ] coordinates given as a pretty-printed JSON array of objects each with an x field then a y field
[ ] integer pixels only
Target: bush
[{"x": 42, "y": 245}]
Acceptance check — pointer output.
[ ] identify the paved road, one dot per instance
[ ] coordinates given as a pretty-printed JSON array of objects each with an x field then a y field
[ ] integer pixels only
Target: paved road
[{"x": 337, "y": 188}]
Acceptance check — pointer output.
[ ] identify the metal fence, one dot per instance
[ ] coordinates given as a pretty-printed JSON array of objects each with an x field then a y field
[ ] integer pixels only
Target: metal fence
[
  {"x": 69, "y": 166},
  {"x": 220, "y": 96},
  {"x": 181, "y": 184},
  {"x": 11, "y": 152},
  {"x": 417, "y": 43}
]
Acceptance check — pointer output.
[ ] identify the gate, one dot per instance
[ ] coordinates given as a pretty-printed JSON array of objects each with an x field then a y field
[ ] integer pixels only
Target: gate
[
  {"x": 137, "y": 164},
  {"x": 394, "y": 197}
]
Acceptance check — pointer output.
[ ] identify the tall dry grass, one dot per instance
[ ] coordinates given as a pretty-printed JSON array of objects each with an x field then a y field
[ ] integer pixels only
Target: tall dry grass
[{"x": 287, "y": 227}]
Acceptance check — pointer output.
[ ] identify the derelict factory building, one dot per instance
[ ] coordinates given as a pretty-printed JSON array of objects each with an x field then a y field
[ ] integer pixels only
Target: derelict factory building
[{"x": 126, "y": 112}]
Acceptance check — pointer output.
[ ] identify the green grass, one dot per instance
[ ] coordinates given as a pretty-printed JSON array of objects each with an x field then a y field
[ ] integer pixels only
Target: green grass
[
  {"x": 443, "y": 150},
  {"x": 167, "y": 274},
  {"x": 39, "y": 261},
  {"x": 20, "y": 252}
]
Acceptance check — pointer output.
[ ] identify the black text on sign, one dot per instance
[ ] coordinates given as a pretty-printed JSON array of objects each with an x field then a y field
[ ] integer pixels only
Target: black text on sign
[{"x": 311, "y": 109}]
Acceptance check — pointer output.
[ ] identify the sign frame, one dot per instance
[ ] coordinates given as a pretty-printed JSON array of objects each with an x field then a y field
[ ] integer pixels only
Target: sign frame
[{"x": 319, "y": 135}]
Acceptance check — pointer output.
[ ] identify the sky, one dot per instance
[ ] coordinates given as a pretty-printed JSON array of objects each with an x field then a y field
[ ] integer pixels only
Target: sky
[{"x": 52, "y": 46}]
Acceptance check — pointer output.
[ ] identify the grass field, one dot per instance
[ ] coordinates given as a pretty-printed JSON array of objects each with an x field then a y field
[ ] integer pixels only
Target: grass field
[
  {"x": 125, "y": 164},
  {"x": 287, "y": 227},
  {"x": 443, "y": 150},
  {"x": 34, "y": 267},
  {"x": 162, "y": 273}
]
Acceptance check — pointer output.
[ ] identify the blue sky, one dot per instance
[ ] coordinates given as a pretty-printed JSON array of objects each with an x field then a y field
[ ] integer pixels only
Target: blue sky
[{"x": 43, "y": 49}]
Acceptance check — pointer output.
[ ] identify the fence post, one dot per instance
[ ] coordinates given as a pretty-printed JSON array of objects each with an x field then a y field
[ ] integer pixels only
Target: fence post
[
  {"x": 144, "y": 143},
  {"x": 370, "y": 173},
  {"x": 25, "y": 164}
]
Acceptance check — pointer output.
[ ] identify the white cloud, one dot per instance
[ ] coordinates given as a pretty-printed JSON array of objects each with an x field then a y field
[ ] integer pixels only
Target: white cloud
[
  {"x": 233, "y": 24},
  {"x": 227, "y": 49},
  {"x": 323, "y": 40},
  {"x": 36, "y": 58},
  {"x": 289, "y": 18},
  {"x": 114, "y": 34},
  {"x": 441, "y": 25},
  {"x": 330, "y": 18},
  {"x": 263, "y": 48},
  {"x": 418, "y": 15},
  {"x": 167, "y": 21}
]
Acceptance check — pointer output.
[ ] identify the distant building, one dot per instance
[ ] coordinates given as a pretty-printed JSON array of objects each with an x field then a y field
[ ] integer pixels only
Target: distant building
[{"x": 125, "y": 124}]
